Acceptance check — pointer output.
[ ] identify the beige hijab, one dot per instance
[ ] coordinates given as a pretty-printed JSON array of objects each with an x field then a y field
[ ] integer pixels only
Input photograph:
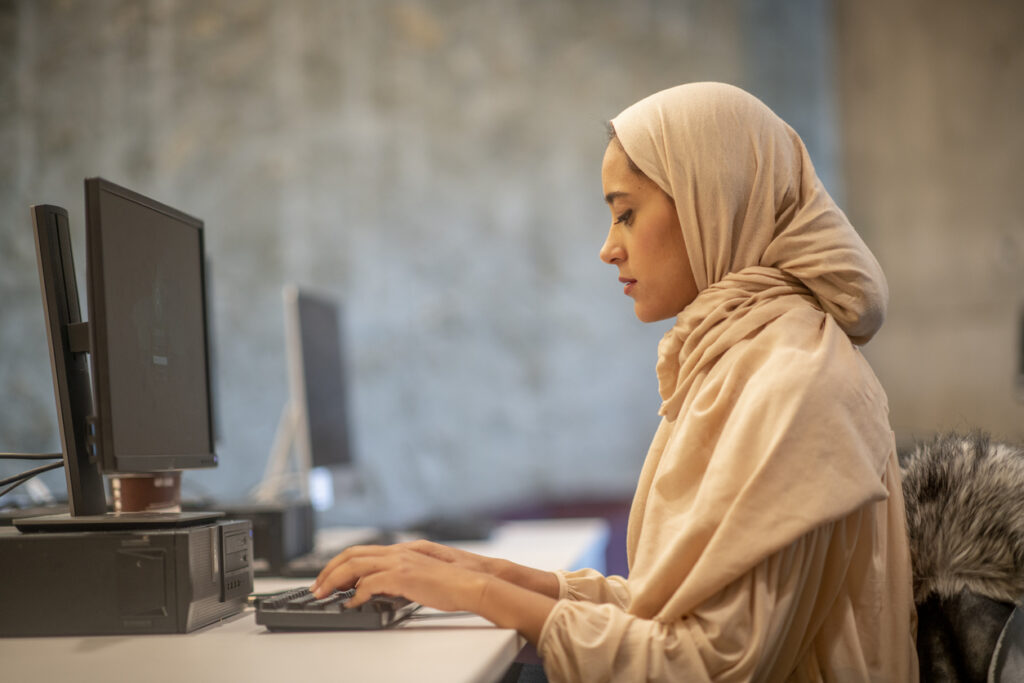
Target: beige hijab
[{"x": 773, "y": 422}]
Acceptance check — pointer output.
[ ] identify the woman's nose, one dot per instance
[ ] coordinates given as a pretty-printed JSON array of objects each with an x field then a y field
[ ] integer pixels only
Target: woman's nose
[{"x": 611, "y": 251}]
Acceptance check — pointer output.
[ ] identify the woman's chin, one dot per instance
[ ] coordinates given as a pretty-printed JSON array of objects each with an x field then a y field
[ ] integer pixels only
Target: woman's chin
[{"x": 648, "y": 316}]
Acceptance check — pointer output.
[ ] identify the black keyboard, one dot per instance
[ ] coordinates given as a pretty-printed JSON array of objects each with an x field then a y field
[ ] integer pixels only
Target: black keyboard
[{"x": 300, "y": 610}]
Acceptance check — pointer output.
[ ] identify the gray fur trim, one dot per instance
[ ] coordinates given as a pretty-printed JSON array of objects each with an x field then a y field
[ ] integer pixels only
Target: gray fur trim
[{"x": 965, "y": 516}]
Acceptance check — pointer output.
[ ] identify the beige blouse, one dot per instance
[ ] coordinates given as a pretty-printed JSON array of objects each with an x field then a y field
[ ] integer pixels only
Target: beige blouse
[{"x": 832, "y": 606}]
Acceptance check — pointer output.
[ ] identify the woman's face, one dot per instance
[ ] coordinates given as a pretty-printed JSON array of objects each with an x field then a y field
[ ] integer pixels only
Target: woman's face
[{"x": 645, "y": 241}]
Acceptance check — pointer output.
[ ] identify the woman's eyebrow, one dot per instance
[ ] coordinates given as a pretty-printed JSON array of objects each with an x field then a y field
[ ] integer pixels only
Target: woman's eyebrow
[{"x": 612, "y": 196}]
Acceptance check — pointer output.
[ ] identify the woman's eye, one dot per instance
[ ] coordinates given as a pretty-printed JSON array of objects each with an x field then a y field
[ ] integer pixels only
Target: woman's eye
[{"x": 625, "y": 217}]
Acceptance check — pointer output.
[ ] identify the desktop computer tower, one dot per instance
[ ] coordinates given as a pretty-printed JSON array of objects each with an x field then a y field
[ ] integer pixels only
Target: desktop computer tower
[{"x": 162, "y": 580}]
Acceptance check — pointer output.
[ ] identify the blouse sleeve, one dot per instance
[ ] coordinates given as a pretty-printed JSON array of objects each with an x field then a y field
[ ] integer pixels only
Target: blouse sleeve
[
  {"x": 591, "y": 586},
  {"x": 736, "y": 635}
]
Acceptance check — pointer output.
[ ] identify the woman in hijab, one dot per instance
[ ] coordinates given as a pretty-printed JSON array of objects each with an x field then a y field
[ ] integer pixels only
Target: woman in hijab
[{"x": 767, "y": 537}]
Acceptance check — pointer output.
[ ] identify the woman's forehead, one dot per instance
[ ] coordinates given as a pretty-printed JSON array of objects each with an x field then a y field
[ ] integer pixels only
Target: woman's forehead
[{"x": 619, "y": 177}]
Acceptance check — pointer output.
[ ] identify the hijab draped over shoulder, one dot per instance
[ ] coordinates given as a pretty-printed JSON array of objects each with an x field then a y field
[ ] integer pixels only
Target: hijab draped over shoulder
[{"x": 777, "y": 423}]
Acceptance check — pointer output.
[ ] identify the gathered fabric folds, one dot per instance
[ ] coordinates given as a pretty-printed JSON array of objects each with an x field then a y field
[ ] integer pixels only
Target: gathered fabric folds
[
  {"x": 774, "y": 424},
  {"x": 766, "y": 538}
]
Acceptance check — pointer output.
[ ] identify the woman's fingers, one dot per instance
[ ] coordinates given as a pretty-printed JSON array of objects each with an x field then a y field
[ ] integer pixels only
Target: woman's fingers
[
  {"x": 386, "y": 580},
  {"x": 402, "y": 571},
  {"x": 355, "y": 564},
  {"x": 428, "y": 548},
  {"x": 348, "y": 555},
  {"x": 398, "y": 569},
  {"x": 345, "y": 575}
]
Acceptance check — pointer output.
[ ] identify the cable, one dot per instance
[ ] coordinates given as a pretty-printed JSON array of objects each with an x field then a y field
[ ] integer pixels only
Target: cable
[
  {"x": 12, "y": 487},
  {"x": 25, "y": 476},
  {"x": 21, "y": 478},
  {"x": 31, "y": 456},
  {"x": 28, "y": 474}
]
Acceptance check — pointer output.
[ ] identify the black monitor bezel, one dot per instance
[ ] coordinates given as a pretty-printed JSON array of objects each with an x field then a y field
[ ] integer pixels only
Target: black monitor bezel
[
  {"x": 111, "y": 460},
  {"x": 72, "y": 382}
]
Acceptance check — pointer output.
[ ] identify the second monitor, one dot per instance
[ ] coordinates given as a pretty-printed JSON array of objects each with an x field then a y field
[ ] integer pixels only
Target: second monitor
[{"x": 314, "y": 425}]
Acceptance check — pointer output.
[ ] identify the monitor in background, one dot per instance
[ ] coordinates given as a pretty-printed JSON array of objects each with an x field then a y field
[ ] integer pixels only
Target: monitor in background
[
  {"x": 314, "y": 426},
  {"x": 144, "y": 405}
]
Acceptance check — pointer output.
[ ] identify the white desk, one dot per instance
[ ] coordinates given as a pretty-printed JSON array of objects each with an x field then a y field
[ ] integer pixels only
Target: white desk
[{"x": 448, "y": 648}]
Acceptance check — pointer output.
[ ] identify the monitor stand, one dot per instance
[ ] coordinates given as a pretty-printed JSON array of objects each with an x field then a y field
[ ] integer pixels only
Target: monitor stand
[
  {"x": 116, "y": 521},
  {"x": 290, "y": 463}
]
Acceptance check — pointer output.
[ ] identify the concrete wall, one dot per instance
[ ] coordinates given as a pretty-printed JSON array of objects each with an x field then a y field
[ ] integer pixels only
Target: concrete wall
[
  {"x": 434, "y": 164},
  {"x": 932, "y": 104}
]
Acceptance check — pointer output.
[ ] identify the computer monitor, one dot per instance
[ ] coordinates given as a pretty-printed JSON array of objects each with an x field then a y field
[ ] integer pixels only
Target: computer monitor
[
  {"x": 314, "y": 426},
  {"x": 143, "y": 403},
  {"x": 312, "y": 453}
]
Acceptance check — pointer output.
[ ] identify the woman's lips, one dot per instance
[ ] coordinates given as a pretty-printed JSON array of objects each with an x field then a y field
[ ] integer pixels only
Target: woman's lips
[{"x": 629, "y": 283}]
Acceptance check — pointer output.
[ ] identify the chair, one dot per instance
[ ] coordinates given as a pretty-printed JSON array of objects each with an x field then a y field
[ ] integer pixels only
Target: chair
[{"x": 965, "y": 518}]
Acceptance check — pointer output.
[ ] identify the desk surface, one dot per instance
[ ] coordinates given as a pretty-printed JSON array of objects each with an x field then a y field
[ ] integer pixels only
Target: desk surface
[{"x": 429, "y": 647}]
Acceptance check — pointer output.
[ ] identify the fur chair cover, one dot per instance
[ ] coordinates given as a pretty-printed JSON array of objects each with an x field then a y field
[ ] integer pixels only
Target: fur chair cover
[{"x": 965, "y": 518}]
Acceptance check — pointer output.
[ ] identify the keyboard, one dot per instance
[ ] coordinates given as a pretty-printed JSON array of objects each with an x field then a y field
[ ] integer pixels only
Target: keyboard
[{"x": 300, "y": 610}]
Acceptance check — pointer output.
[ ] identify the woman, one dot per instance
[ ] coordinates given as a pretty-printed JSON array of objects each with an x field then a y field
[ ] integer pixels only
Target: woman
[{"x": 766, "y": 538}]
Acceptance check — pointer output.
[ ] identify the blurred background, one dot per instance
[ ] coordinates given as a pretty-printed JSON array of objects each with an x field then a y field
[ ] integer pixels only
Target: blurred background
[{"x": 435, "y": 165}]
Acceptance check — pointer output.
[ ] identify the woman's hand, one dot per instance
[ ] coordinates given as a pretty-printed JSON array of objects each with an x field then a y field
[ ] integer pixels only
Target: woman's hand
[
  {"x": 423, "y": 572},
  {"x": 508, "y": 594},
  {"x": 461, "y": 558},
  {"x": 535, "y": 580}
]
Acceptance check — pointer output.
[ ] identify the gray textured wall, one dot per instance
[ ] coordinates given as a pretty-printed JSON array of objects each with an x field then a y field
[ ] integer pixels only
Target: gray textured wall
[
  {"x": 433, "y": 163},
  {"x": 932, "y": 105}
]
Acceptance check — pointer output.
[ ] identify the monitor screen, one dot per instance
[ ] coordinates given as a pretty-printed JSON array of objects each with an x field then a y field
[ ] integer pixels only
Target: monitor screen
[
  {"x": 148, "y": 333},
  {"x": 316, "y": 374}
]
